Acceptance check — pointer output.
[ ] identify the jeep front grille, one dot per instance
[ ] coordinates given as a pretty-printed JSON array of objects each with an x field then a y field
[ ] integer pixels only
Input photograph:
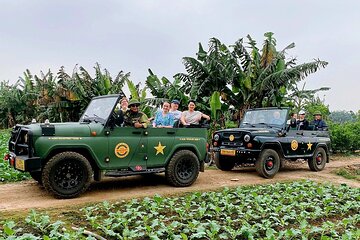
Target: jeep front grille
[
  {"x": 20, "y": 140},
  {"x": 236, "y": 142}
]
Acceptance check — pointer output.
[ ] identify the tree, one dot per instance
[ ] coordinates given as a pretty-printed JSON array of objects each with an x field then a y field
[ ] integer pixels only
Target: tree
[
  {"x": 59, "y": 98},
  {"x": 298, "y": 98},
  {"x": 244, "y": 78}
]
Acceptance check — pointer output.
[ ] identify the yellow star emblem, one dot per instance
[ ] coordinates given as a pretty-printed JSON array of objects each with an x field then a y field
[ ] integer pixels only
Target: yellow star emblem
[
  {"x": 159, "y": 149},
  {"x": 309, "y": 146}
]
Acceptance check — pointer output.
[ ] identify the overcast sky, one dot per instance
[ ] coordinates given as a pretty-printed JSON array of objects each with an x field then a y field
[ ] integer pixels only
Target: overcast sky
[{"x": 135, "y": 35}]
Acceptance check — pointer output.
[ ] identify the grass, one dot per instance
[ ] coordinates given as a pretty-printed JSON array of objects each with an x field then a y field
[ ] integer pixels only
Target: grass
[{"x": 349, "y": 172}]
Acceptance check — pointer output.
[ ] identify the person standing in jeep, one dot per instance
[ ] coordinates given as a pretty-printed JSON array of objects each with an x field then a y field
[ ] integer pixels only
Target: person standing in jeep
[{"x": 133, "y": 117}]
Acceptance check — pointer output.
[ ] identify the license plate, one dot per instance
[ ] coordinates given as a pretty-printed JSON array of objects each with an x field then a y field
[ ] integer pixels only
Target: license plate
[
  {"x": 20, "y": 164},
  {"x": 227, "y": 152}
]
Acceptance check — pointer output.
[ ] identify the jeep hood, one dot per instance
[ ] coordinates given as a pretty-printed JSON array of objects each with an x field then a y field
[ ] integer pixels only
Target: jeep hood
[
  {"x": 253, "y": 131},
  {"x": 64, "y": 129}
]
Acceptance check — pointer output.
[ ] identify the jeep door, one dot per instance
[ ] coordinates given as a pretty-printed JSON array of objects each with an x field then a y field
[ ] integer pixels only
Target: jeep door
[
  {"x": 127, "y": 148},
  {"x": 160, "y": 145},
  {"x": 299, "y": 143}
]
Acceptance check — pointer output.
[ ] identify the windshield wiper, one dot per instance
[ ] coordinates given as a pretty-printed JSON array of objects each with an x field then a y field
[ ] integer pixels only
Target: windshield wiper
[
  {"x": 267, "y": 125},
  {"x": 98, "y": 119},
  {"x": 86, "y": 118},
  {"x": 246, "y": 123}
]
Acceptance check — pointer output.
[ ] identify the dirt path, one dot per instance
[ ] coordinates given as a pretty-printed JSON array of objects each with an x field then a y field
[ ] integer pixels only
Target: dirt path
[{"x": 30, "y": 195}]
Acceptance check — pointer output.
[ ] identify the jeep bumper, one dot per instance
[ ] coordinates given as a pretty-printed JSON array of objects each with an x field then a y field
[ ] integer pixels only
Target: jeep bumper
[
  {"x": 237, "y": 152},
  {"x": 25, "y": 163}
]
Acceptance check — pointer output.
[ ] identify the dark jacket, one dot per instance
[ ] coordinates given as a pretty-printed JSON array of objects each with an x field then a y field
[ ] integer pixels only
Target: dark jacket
[
  {"x": 319, "y": 125},
  {"x": 302, "y": 124}
]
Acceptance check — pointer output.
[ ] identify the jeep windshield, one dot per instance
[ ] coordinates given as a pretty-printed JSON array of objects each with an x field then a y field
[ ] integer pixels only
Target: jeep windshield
[
  {"x": 99, "y": 109},
  {"x": 266, "y": 118}
]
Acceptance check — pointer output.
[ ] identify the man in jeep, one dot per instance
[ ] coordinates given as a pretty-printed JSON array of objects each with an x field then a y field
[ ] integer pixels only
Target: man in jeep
[
  {"x": 133, "y": 117},
  {"x": 319, "y": 124}
]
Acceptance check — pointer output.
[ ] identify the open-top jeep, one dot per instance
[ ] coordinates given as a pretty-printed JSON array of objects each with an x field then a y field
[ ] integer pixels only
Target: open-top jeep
[
  {"x": 65, "y": 157},
  {"x": 264, "y": 138}
]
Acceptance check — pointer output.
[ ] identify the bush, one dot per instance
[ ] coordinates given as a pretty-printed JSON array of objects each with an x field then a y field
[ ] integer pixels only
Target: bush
[{"x": 345, "y": 137}]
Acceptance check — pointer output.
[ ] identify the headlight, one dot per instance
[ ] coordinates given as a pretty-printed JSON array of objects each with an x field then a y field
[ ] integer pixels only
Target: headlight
[
  {"x": 247, "y": 138},
  {"x": 216, "y": 137}
]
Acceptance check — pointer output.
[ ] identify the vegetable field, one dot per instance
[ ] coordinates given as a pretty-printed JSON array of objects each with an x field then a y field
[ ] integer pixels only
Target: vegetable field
[{"x": 297, "y": 210}]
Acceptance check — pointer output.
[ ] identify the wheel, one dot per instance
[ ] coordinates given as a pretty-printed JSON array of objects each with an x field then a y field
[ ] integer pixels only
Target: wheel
[
  {"x": 318, "y": 161},
  {"x": 223, "y": 163},
  {"x": 183, "y": 169},
  {"x": 67, "y": 175},
  {"x": 36, "y": 176},
  {"x": 268, "y": 163}
]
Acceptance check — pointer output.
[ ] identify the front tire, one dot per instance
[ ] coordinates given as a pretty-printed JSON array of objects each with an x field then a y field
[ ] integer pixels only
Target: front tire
[
  {"x": 67, "y": 175},
  {"x": 318, "y": 161},
  {"x": 183, "y": 169},
  {"x": 268, "y": 163},
  {"x": 223, "y": 163}
]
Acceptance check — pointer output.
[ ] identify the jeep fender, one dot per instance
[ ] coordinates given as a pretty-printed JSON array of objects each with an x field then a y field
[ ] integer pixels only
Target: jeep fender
[
  {"x": 274, "y": 145},
  {"x": 186, "y": 146},
  {"x": 82, "y": 149}
]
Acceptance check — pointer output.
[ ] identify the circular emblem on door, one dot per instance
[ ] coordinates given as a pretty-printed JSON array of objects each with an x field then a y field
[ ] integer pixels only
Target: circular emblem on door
[
  {"x": 122, "y": 150},
  {"x": 231, "y": 138},
  {"x": 294, "y": 145}
]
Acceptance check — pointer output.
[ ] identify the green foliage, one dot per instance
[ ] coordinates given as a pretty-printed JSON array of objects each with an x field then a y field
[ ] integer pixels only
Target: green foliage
[
  {"x": 299, "y": 98},
  {"x": 317, "y": 105},
  {"x": 163, "y": 89},
  {"x": 343, "y": 116},
  {"x": 59, "y": 98},
  {"x": 7, "y": 173},
  {"x": 298, "y": 210},
  {"x": 345, "y": 137},
  {"x": 243, "y": 75}
]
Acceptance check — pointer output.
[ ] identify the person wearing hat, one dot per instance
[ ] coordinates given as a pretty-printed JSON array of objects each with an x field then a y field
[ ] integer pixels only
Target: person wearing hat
[
  {"x": 174, "y": 109},
  {"x": 302, "y": 123},
  {"x": 319, "y": 124},
  {"x": 133, "y": 117}
]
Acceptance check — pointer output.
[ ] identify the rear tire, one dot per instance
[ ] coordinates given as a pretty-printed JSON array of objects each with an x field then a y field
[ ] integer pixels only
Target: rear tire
[
  {"x": 318, "y": 161},
  {"x": 268, "y": 163},
  {"x": 67, "y": 175},
  {"x": 224, "y": 163},
  {"x": 183, "y": 169}
]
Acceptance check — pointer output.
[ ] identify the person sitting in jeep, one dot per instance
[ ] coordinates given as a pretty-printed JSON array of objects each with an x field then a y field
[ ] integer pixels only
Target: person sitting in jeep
[
  {"x": 302, "y": 123},
  {"x": 133, "y": 117},
  {"x": 319, "y": 124},
  {"x": 191, "y": 116}
]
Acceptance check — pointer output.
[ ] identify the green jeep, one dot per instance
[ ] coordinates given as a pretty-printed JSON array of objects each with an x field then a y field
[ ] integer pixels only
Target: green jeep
[
  {"x": 265, "y": 138},
  {"x": 65, "y": 157}
]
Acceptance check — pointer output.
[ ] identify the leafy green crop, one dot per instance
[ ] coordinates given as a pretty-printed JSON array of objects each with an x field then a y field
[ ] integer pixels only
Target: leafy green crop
[
  {"x": 298, "y": 210},
  {"x": 8, "y": 174}
]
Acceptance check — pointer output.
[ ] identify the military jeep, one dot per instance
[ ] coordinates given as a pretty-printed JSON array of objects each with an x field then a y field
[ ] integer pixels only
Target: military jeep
[
  {"x": 66, "y": 157},
  {"x": 265, "y": 139}
]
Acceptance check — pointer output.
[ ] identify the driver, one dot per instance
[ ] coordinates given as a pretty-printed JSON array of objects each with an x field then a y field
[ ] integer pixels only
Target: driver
[
  {"x": 276, "y": 118},
  {"x": 133, "y": 117}
]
